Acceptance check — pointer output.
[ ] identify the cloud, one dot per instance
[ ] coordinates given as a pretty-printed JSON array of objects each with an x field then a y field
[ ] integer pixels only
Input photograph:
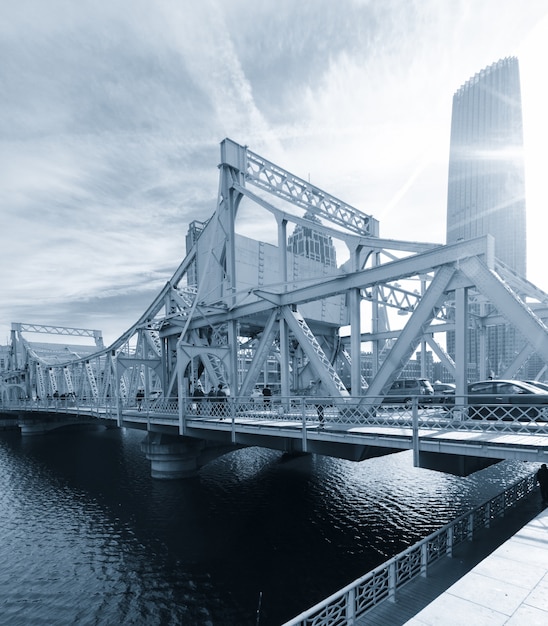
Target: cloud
[{"x": 112, "y": 114}]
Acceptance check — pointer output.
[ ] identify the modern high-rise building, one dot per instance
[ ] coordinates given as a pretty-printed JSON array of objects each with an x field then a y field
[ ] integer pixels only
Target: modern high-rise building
[
  {"x": 311, "y": 243},
  {"x": 486, "y": 190}
]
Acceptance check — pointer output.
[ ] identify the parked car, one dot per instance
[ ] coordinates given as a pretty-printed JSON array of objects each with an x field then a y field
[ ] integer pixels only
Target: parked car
[
  {"x": 443, "y": 392},
  {"x": 404, "y": 390},
  {"x": 537, "y": 383},
  {"x": 507, "y": 400}
]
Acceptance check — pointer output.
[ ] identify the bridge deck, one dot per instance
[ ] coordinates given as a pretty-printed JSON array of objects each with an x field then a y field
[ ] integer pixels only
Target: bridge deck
[
  {"x": 394, "y": 431},
  {"x": 482, "y": 441},
  {"x": 501, "y": 577}
]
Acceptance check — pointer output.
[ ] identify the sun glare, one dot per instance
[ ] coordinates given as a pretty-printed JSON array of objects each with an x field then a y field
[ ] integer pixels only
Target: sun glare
[{"x": 532, "y": 56}]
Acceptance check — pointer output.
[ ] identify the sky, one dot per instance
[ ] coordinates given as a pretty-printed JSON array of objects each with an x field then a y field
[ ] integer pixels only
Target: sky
[{"x": 112, "y": 113}]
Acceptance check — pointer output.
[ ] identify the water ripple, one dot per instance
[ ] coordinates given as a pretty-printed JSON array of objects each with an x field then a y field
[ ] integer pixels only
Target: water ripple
[{"x": 88, "y": 538}]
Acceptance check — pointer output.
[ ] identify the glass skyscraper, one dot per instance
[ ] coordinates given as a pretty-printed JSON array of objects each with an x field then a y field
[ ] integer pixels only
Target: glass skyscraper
[
  {"x": 486, "y": 189},
  {"x": 312, "y": 244}
]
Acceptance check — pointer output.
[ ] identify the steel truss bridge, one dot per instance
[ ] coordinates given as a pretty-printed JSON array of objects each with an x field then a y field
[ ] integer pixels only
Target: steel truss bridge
[{"x": 239, "y": 312}]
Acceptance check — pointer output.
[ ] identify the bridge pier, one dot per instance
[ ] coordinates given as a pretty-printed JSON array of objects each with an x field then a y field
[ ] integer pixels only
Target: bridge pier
[
  {"x": 171, "y": 456},
  {"x": 456, "y": 464}
]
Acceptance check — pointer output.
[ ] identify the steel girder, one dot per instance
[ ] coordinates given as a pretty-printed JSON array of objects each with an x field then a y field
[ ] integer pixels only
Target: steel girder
[
  {"x": 231, "y": 319},
  {"x": 509, "y": 304},
  {"x": 412, "y": 334}
]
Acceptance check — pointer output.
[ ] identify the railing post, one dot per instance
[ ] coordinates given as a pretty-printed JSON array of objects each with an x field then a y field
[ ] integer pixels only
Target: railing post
[
  {"x": 182, "y": 407},
  {"x": 424, "y": 559},
  {"x": 351, "y": 605},
  {"x": 449, "y": 541},
  {"x": 415, "y": 414},
  {"x": 471, "y": 526},
  {"x": 392, "y": 581},
  {"x": 232, "y": 405},
  {"x": 303, "y": 415}
]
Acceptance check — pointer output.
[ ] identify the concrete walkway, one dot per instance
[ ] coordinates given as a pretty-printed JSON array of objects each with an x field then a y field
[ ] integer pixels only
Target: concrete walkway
[
  {"x": 508, "y": 587},
  {"x": 501, "y": 577}
]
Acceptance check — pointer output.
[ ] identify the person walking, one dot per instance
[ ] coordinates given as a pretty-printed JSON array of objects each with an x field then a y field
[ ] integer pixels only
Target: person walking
[
  {"x": 140, "y": 397},
  {"x": 316, "y": 390},
  {"x": 221, "y": 400},
  {"x": 542, "y": 480},
  {"x": 212, "y": 400},
  {"x": 198, "y": 396},
  {"x": 267, "y": 397}
]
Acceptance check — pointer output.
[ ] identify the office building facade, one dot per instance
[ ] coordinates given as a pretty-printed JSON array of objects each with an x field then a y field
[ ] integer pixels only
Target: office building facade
[
  {"x": 486, "y": 186},
  {"x": 310, "y": 243},
  {"x": 486, "y": 189}
]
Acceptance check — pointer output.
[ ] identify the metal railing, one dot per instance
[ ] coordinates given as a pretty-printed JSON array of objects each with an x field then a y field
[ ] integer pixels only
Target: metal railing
[
  {"x": 418, "y": 413},
  {"x": 382, "y": 583},
  {"x": 64, "y": 405}
]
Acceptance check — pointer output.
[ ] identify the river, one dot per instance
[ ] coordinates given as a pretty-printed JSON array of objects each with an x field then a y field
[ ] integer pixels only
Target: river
[{"x": 90, "y": 539}]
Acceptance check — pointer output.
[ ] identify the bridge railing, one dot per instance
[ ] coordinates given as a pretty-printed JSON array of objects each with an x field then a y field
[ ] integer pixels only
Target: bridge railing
[
  {"x": 520, "y": 414},
  {"x": 64, "y": 405},
  {"x": 152, "y": 406},
  {"x": 419, "y": 413},
  {"x": 382, "y": 583}
]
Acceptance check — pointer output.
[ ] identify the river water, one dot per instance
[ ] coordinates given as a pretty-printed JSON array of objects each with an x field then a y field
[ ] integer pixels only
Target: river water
[{"x": 89, "y": 538}]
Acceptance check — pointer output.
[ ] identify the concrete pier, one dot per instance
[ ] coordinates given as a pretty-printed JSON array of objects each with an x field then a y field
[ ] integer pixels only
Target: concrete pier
[{"x": 172, "y": 457}]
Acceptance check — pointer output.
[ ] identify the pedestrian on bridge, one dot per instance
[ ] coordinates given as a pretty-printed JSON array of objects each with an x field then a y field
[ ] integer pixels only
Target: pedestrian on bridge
[
  {"x": 140, "y": 397},
  {"x": 198, "y": 396},
  {"x": 212, "y": 398},
  {"x": 267, "y": 397},
  {"x": 316, "y": 390},
  {"x": 221, "y": 399},
  {"x": 542, "y": 480}
]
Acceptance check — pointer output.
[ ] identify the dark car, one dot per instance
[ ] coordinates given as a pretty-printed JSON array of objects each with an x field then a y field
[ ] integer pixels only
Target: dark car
[
  {"x": 537, "y": 383},
  {"x": 443, "y": 393},
  {"x": 507, "y": 400},
  {"x": 404, "y": 390}
]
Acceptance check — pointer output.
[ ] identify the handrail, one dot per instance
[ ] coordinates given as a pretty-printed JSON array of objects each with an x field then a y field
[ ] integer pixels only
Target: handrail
[
  {"x": 526, "y": 418},
  {"x": 382, "y": 583}
]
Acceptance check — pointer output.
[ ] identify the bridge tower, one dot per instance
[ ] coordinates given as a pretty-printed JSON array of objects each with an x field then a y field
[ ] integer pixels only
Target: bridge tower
[{"x": 246, "y": 295}]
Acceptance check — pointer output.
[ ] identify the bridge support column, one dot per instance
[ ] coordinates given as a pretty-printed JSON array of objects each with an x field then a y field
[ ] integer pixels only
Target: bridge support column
[
  {"x": 456, "y": 464},
  {"x": 172, "y": 457}
]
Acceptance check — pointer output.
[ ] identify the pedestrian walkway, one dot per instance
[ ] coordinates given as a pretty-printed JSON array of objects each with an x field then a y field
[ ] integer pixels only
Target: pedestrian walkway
[{"x": 501, "y": 577}]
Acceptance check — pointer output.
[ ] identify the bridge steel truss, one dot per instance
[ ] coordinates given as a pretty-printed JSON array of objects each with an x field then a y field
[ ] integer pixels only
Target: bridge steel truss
[{"x": 237, "y": 303}]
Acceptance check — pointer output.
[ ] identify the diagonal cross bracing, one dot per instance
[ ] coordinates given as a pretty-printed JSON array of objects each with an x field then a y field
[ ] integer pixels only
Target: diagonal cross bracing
[
  {"x": 326, "y": 287},
  {"x": 410, "y": 336},
  {"x": 314, "y": 352},
  {"x": 261, "y": 353},
  {"x": 509, "y": 304},
  {"x": 283, "y": 184}
]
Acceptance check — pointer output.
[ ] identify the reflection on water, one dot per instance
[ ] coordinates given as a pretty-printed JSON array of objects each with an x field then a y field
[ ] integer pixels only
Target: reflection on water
[{"x": 88, "y": 537}]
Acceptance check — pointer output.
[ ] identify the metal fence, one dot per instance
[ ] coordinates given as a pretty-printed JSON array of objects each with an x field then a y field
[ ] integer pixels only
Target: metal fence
[
  {"x": 382, "y": 583},
  {"x": 525, "y": 417},
  {"x": 416, "y": 413}
]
